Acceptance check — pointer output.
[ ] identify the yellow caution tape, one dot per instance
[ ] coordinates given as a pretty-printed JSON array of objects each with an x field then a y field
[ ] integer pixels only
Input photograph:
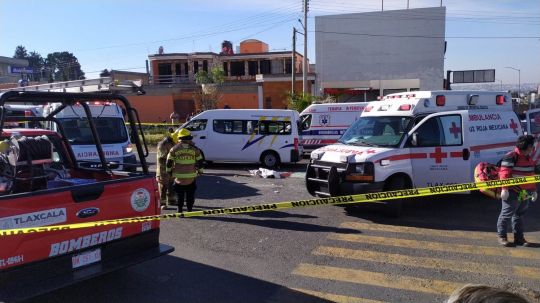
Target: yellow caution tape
[
  {"x": 160, "y": 124},
  {"x": 350, "y": 199}
]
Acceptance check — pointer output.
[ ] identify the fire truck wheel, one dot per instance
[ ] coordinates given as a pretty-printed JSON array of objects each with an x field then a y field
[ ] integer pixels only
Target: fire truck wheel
[{"x": 393, "y": 208}]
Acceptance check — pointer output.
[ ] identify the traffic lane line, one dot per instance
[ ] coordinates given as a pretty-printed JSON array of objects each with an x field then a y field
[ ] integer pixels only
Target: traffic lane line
[
  {"x": 376, "y": 279},
  {"x": 524, "y": 253},
  {"x": 425, "y": 262},
  {"x": 336, "y": 298}
]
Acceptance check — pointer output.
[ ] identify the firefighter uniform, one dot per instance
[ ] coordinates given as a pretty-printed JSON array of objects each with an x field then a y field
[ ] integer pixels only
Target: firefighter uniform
[
  {"x": 184, "y": 164},
  {"x": 165, "y": 183}
]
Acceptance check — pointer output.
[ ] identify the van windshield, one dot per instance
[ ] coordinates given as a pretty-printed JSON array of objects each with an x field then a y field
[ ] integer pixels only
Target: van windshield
[
  {"x": 376, "y": 131},
  {"x": 110, "y": 130}
]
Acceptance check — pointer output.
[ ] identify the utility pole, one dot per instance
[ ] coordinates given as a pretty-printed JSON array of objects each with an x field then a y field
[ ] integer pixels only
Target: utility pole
[
  {"x": 293, "y": 60},
  {"x": 305, "y": 67}
]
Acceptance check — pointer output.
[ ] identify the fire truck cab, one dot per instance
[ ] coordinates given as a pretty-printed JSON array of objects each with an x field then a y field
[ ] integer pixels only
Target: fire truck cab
[
  {"x": 42, "y": 184},
  {"x": 416, "y": 139}
]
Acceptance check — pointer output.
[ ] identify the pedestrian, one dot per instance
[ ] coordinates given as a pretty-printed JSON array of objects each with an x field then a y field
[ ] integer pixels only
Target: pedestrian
[
  {"x": 184, "y": 164},
  {"x": 484, "y": 294},
  {"x": 516, "y": 199},
  {"x": 174, "y": 118},
  {"x": 165, "y": 183}
]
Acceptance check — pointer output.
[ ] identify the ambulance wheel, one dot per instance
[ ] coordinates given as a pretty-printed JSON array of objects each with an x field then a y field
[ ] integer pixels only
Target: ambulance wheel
[
  {"x": 393, "y": 208},
  {"x": 270, "y": 159}
]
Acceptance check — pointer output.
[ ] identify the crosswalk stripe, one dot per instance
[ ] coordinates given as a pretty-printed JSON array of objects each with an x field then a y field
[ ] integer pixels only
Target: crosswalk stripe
[
  {"x": 438, "y": 246},
  {"x": 376, "y": 279},
  {"x": 336, "y": 298},
  {"x": 421, "y": 231},
  {"x": 463, "y": 266}
]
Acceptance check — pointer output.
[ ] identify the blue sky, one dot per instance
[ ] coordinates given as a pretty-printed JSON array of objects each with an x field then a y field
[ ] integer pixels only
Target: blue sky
[{"x": 119, "y": 34}]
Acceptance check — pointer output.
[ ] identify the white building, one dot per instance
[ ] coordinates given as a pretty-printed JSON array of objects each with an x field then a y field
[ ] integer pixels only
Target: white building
[{"x": 365, "y": 55}]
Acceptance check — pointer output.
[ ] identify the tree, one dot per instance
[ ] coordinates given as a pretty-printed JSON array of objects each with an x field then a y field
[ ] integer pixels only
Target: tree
[
  {"x": 299, "y": 102},
  {"x": 20, "y": 52},
  {"x": 36, "y": 62},
  {"x": 208, "y": 95},
  {"x": 105, "y": 73},
  {"x": 64, "y": 66}
]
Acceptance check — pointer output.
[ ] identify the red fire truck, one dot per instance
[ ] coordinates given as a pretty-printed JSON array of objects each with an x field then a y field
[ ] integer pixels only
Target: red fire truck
[{"x": 41, "y": 184}]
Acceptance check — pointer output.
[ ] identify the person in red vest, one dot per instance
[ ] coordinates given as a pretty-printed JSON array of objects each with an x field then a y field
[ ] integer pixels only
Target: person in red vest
[{"x": 516, "y": 199}]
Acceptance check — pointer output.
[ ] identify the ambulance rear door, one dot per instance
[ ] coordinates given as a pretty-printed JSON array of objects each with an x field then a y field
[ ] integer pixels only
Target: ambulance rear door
[{"x": 438, "y": 153}]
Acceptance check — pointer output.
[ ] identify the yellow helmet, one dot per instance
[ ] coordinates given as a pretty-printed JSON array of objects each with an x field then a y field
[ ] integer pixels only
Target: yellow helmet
[{"x": 181, "y": 134}]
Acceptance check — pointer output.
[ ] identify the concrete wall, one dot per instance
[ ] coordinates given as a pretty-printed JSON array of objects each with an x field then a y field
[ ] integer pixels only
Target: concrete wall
[{"x": 390, "y": 49}]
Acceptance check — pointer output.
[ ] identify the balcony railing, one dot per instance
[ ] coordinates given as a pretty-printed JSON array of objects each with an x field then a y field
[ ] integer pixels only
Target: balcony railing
[{"x": 170, "y": 79}]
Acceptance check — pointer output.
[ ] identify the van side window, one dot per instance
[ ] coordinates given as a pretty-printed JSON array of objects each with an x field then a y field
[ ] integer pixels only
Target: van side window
[
  {"x": 252, "y": 127},
  {"x": 196, "y": 125},
  {"x": 275, "y": 127},
  {"x": 231, "y": 126},
  {"x": 440, "y": 131}
]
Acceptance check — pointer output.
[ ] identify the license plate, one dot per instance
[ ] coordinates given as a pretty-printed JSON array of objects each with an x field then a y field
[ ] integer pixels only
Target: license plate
[{"x": 86, "y": 258}]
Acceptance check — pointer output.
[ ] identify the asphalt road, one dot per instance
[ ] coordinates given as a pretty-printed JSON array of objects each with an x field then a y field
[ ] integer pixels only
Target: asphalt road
[{"x": 320, "y": 254}]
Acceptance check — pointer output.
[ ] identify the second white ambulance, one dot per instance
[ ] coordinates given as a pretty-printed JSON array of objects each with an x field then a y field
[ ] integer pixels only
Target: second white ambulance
[
  {"x": 416, "y": 139},
  {"x": 323, "y": 124}
]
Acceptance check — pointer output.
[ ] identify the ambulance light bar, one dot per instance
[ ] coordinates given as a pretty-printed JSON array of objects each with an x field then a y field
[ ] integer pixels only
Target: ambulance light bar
[
  {"x": 405, "y": 107},
  {"x": 440, "y": 100}
]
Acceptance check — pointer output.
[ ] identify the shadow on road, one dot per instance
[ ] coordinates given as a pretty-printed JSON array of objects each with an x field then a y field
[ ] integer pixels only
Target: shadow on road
[
  {"x": 262, "y": 214},
  {"x": 282, "y": 224},
  {"x": 173, "y": 279},
  {"x": 473, "y": 212},
  {"x": 214, "y": 187}
]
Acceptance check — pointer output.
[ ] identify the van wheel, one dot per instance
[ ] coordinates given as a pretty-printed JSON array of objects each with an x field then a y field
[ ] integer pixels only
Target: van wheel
[
  {"x": 394, "y": 207},
  {"x": 270, "y": 159}
]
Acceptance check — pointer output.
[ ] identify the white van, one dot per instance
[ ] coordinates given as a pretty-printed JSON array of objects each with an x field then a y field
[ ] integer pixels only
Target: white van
[
  {"x": 111, "y": 128},
  {"x": 416, "y": 139},
  {"x": 268, "y": 136},
  {"x": 323, "y": 124}
]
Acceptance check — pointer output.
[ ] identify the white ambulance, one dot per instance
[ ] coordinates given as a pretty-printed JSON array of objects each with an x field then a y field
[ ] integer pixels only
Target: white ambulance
[
  {"x": 322, "y": 124},
  {"x": 111, "y": 128},
  {"x": 416, "y": 139},
  {"x": 268, "y": 136}
]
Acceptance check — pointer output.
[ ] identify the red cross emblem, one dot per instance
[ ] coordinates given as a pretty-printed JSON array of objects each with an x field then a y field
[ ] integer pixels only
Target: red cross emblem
[
  {"x": 513, "y": 126},
  {"x": 456, "y": 131},
  {"x": 438, "y": 155}
]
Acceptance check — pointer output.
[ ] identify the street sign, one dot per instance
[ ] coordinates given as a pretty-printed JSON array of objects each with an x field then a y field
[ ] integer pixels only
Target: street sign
[
  {"x": 21, "y": 70},
  {"x": 473, "y": 76}
]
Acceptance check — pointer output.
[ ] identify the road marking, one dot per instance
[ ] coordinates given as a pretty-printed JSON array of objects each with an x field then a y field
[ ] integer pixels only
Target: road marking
[
  {"x": 376, "y": 279},
  {"x": 336, "y": 298},
  {"x": 438, "y": 246},
  {"x": 454, "y": 265},
  {"x": 420, "y": 231}
]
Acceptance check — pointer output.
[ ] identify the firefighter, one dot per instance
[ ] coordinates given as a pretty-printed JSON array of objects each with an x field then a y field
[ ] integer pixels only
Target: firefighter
[
  {"x": 184, "y": 164},
  {"x": 165, "y": 183}
]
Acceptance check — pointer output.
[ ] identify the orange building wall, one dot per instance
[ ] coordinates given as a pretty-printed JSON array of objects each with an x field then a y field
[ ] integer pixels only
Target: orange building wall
[
  {"x": 153, "y": 109},
  {"x": 253, "y": 47},
  {"x": 277, "y": 91},
  {"x": 156, "y": 109},
  {"x": 239, "y": 101}
]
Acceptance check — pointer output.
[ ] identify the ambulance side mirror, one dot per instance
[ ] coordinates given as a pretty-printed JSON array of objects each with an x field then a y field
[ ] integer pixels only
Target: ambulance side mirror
[{"x": 414, "y": 139}]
